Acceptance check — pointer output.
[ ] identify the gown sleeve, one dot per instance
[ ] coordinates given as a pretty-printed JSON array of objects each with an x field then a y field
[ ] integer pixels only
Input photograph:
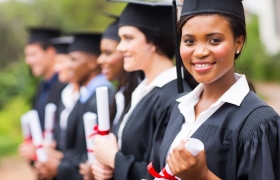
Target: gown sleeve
[
  {"x": 259, "y": 146},
  {"x": 126, "y": 166}
]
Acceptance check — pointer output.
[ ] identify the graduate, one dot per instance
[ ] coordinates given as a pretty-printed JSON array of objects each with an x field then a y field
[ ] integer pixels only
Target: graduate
[
  {"x": 240, "y": 133},
  {"x": 62, "y": 59},
  {"x": 111, "y": 62},
  {"x": 63, "y": 162},
  {"x": 146, "y": 44},
  {"x": 40, "y": 57}
]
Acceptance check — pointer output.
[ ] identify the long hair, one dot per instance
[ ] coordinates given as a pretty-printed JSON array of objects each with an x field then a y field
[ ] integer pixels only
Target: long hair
[{"x": 130, "y": 82}]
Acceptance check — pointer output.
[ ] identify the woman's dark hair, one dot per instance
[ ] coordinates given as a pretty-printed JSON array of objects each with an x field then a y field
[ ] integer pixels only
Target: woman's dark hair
[
  {"x": 129, "y": 81},
  {"x": 164, "y": 44},
  {"x": 237, "y": 26}
]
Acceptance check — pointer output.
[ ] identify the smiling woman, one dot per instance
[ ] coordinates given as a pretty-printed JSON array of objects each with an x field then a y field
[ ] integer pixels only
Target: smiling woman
[
  {"x": 239, "y": 131},
  {"x": 208, "y": 49}
]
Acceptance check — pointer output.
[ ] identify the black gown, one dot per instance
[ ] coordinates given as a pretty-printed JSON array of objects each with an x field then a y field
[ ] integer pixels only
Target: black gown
[
  {"x": 241, "y": 143},
  {"x": 53, "y": 91},
  {"x": 138, "y": 134},
  {"x": 72, "y": 141}
]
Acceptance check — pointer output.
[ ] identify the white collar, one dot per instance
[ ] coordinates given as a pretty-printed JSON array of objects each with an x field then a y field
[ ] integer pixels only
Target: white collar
[
  {"x": 234, "y": 95},
  {"x": 68, "y": 96},
  {"x": 162, "y": 79}
]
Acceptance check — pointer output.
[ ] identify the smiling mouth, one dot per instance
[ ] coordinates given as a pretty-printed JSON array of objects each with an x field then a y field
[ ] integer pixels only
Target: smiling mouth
[{"x": 203, "y": 65}]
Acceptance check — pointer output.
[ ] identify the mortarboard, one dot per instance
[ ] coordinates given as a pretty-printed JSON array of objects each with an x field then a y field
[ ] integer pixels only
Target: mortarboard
[
  {"x": 112, "y": 30},
  {"x": 151, "y": 15},
  {"x": 42, "y": 34},
  {"x": 229, "y": 7},
  {"x": 61, "y": 44},
  {"x": 86, "y": 42}
]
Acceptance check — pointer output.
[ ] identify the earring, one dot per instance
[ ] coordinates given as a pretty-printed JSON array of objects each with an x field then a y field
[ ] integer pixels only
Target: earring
[{"x": 237, "y": 51}]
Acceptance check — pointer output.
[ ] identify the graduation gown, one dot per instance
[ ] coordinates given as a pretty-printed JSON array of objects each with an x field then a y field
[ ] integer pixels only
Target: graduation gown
[
  {"x": 137, "y": 138},
  {"x": 53, "y": 90},
  {"x": 73, "y": 143},
  {"x": 241, "y": 143}
]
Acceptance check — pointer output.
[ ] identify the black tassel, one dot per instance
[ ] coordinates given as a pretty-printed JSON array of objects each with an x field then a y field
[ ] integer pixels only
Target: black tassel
[{"x": 177, "y": 51}]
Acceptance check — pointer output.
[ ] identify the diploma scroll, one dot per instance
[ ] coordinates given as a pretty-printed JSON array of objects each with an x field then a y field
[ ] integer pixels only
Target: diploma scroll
[
  {"x": 103, "y": 111},
  {"x": 49, "y": 122},
  {"x": 36, "y": 133},
  {"x": 90, "y": 124},
  {"x": 25, "y": 128},
  {"x": 194, "y": 146}
]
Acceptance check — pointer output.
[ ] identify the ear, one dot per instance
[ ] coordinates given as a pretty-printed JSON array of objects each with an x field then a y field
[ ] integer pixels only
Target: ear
[
  {"x": 51, "y": 50},
  {"x": 153, "y": 48},
  {"x": 240, "y": 42}
]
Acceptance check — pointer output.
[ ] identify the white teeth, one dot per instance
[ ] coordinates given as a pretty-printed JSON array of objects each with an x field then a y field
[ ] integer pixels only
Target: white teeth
[{"x": 202, "y": 65}]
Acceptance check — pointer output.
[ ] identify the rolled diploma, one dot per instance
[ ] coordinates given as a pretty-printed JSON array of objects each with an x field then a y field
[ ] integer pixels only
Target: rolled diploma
[
  {"x": 103, "y": 109},
  {"x": 49, "y": 122},
  {"x": 90, "y": 121},
  {"x": 194, "y": 146},
  {"x": 36, "y": 132},
  {"x": 25, "y": 128}
]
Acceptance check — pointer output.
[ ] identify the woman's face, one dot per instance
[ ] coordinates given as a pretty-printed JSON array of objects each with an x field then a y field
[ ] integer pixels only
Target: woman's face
[
  {"x": 135, "y": 49},
  {"x": 111, "y": 60},
  {"x": 208, "y": 48},
  {"x": 61, "y": 66}
]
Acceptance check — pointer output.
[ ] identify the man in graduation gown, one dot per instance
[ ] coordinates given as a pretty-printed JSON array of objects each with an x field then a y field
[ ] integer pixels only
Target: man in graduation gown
[
  {"x": 40, "y": 57},
  {"x": 69, "y": 132}
]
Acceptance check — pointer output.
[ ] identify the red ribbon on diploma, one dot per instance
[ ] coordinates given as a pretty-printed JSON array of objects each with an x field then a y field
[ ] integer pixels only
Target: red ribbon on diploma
[
  {"x": 155, "y": 174},
  {"x": 47, "y": 131},
  {"x": 90, "y": 150},
  {"x": 97, "y": 131},
  {"x": 103, "y": 133},
  {"x": 28, "y": 139}
]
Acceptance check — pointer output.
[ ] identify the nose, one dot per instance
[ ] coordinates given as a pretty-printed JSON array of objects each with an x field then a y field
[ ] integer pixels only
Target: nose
[
  {"x": 201, "y": 51},
  {"x": 28, "y": 60},
  {"x": 121, "y": 47}
]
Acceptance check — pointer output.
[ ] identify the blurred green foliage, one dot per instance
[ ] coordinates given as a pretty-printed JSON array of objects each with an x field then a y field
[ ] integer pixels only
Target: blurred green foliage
[
  {"x": 10, "y": 134},
  {"x": 254, "y": 62}
]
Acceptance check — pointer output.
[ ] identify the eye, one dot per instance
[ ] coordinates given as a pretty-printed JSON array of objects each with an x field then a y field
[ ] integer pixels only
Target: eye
[
  {"x": 215, "y": 41},
  {"x": 107, "y": 53},
  {"x": 73, "y": 59},
  {"x": 127, "y": 38},
  {"x": 189, "y": 41}
]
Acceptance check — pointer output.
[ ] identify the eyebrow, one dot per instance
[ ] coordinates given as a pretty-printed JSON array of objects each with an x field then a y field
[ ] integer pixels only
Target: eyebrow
[{"x": 207, "y": 35}]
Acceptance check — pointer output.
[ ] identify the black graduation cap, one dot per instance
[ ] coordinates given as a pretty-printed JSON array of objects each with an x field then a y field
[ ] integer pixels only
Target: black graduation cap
[
  {"x": 86, "y": 42},
  {"x": 61, "y": 44},
  {"x": 112, "y": 30},
  {"x": 151, "y": 15},
  {"x": 42, "y": 34},
  {"x": 230, "y": 7}
]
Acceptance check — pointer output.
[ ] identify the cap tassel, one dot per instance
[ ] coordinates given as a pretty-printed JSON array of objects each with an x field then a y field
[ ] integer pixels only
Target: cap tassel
[{"x": 176, "y": 46}]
